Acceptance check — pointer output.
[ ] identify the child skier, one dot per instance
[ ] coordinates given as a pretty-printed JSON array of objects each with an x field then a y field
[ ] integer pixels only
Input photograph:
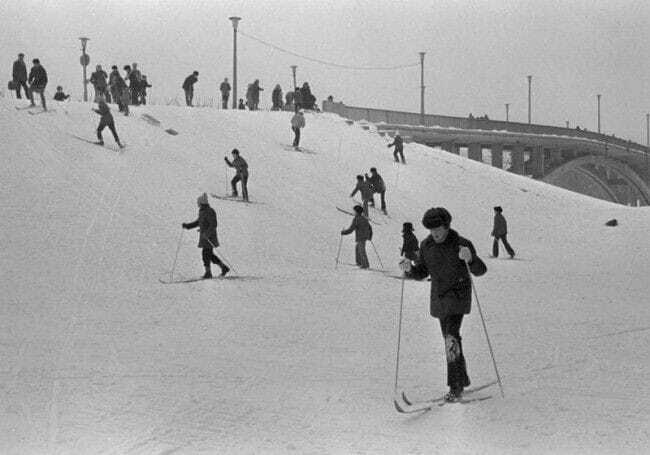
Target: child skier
[
  {"x": 500, "y": 232},
  {"x": 362, "y": 232},
  {"x": 446, "y": 256},
  {"x": 207, "y": 224},
  {"x": 105, "y": 121},
  {"x": 241, "y": 167}
]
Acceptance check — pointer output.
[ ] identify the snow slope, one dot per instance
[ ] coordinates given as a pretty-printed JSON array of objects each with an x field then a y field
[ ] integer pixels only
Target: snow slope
[{"x": 291, "y": 355}]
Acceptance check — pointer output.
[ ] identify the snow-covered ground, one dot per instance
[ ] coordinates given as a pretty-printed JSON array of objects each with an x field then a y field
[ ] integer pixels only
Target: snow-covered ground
[{"x": 291, "y": 355}]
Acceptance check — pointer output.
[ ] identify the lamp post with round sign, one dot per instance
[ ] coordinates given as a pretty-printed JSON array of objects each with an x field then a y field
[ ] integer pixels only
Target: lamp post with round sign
[{"x": 84, "y": 60}]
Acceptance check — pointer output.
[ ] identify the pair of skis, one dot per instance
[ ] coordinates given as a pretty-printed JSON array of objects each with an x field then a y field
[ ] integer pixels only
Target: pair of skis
[{"x": 404, "y": 405}]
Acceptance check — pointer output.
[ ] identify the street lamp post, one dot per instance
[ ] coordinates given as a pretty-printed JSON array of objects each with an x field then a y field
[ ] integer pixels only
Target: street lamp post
[
  {"x": 422, "y": 87},
  {"x": 293, "y": 70},
  {"x": 507, "y": 112},
  {"x": 235, "y": 21},
  {"x": 530, "y": 78},
  {"x": 84, "y": 60},
  {"x": 598, "y": 99}
]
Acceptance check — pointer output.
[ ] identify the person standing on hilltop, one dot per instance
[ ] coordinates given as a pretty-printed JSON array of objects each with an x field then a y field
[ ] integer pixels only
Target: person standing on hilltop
[
  {"x": 241, "y": 166},
  {"x": 98, "y": 80},
  {"x": 399, "y": 147},
  {"x": 19, "y": 76},
  {"x": 224, "y": 88},
  {"x": 37, "y": 82},
  {"x": 188, "y": 87},
  {"x": 207, "y": 224},
  {"x": 276, "y": 98},
  {"x": 106, "y": 120}
]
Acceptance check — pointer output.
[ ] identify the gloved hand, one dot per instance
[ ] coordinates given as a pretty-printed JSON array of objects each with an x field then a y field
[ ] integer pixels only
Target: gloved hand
[
  {"x": 405, "y": 265},
  {"x": 184, "y": 225},
  {"x": 342, "y": 232},
  {"x": 465, "y": 254},
  {"x": 225, "y": 158}
]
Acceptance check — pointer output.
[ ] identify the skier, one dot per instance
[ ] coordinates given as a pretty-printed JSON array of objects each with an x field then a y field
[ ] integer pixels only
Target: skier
[
  {"x": 59, "y": 95},
  {"x": 276, "y": 98},
  {"x": 399, "y": 147},
  {"x": 366, "y": 193},
  {"x": 207, "y": 224},
  {"x": 378, "y": 186},
  {"x": 188, "y": 87},
  {"x": 410, "y": 246},
  {"x": 225, "y": 93},
  {"x": 19, "y": 76},
  {"x": 106, "y": 120},
  {"x": 362, "y": 232},
  {"x": 446, "y": 256},
  {"x": 297, "y": 123},
  {"x": 241, "y": 167},
  {"x": 500, "y": 232},
  {"x": 37, "y": 82},
  {"x": 98, "y": 80}
]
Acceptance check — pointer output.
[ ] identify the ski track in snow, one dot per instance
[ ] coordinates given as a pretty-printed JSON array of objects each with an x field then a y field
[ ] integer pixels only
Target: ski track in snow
[{"x": 102, "y": 358}]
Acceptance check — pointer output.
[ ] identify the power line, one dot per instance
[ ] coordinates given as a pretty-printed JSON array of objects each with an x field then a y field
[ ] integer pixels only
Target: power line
[{"x": 323, "y": 62}]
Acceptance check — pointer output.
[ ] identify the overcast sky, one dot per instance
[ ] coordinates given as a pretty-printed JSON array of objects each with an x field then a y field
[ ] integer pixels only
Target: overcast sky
[{"x": 478, "y": 53}]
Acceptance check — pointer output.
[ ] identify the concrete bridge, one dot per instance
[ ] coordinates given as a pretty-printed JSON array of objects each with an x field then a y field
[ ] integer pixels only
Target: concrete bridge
[{"x": 587, "y": 162}]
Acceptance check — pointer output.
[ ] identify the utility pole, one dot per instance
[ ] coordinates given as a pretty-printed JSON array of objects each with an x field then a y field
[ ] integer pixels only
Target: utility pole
[
  {"x": 507, "y": 112},
  {"x": 422, "y": 87},
  {"x": 293, "y": 70},
  {"x": 530, "y": 78},
  {"x": 84, "y": 60},
  {"x": 235, "y": 21},
  {"x": 598, "y": 98}
]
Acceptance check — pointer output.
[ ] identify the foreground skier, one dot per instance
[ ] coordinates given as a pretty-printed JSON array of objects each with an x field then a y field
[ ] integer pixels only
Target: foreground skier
[
  {"x": 444, "y": 255},
  {"x": 105, "y": 121}
]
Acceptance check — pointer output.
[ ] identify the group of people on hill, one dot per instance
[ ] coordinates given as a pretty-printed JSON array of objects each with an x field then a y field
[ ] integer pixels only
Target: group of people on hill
[
  {"x": 113, "y": 87},
  {"x": 37, "y": 79}
]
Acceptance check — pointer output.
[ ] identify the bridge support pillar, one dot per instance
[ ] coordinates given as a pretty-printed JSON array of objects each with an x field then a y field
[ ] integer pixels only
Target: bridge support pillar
[
  {"x": 450, "y": 147},
  {"x": 474, "y": 152},
  {"x": 517, "y": 155},
  {"x": 537, "y": 162},
  {"x": 497, "y": 155}
]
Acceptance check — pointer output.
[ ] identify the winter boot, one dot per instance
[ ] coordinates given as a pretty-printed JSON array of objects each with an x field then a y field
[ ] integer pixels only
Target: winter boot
[
  {"x": 208, "y": 273},
  {"x": 224, "y": 269},
  {"x": 454, "y": 394}
]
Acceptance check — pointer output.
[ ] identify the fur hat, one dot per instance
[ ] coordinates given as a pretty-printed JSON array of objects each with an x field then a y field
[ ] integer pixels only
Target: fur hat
[
  {"x": 407, "y": 227},
  {"x": 436, "y": 217},
  {"x": 498, "y": 209},
  {"x": 358, "y": 209},
  {"x": 202, "y": 200}
]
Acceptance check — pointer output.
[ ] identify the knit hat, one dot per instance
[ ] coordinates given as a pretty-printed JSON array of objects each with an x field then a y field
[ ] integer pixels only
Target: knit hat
[
  {"x": 202, "y": 200},
  {"x": 358, "y": 209},
  {"x": 235, "y": 152},
  {"x": 407, "y": 227},
  {"x": 498, "y": 209},
  {"x": 436, "y": 217}
]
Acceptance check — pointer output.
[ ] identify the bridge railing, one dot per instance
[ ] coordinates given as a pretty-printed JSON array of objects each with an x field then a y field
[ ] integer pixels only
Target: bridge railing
[{"x": 415, "y": 119}]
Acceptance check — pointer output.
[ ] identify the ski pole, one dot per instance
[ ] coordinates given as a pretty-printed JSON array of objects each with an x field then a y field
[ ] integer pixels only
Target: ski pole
[
  {"x": 399, "y": 334},
  {"x": 338, "y": 253},
  {"x": 226, "y": 181},
  {"x": 373, "y": 246},
  {"x": 487, "y": 337},
  {"x": 178, "y": 247}
]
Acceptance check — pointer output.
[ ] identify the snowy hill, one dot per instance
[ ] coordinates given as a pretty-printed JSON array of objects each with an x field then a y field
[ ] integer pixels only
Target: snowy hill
[{"x": 291, "y": 355}]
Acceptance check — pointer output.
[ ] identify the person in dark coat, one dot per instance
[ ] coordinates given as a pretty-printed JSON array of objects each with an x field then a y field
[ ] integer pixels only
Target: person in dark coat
[
  {"x": 241, "y": 106},
  {"x": 135, "y": 83},
  {"x": 37, "y": 82},
  {"x": 224, "y": 88},
  {"x": 115, "y": 84},
  {"x": 447, "y": 257},
  {"x": 378, "y": 186},
  {"x": 19, "y": 76},
  {"x": 59, "y": 95},
  {"x": 307, "y": 99},
  {"x": 241, "y": 167},
  {"x": 207, "y": 224},
  {"x": 500, "y": 232},
  {"x": 255, "y": 94},
  {"x": 362, "y": 233},
  {"x": 106, "y": 120},
  {"x": 410, "y": 246},
  {"x": 288, "y": 101},
  {"x": 276, "y": 98},
  {"x": 144, "y": 85},
  {"x": 366, "y": 193},
  {"x": 399, "y": 147},
  {"x": 188, "y": 87},
  {"x": 99, "y": 81},
  {"x": 297, "y": 99}
]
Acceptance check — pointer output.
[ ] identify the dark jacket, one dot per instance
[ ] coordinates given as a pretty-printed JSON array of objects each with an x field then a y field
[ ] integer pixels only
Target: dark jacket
[
  {"x": 207, "y": 224},
  {"x": 104, "y": 111},
  {"x": 410, "y": 246},
  {"x": 98, "y": 79},
  {"x": 500, "y": 226},
  {"x": 60, "y": 96},
  {"x": 276, "y": 96},
  {"x": 365, "y": 189},
  {"x": 115, "y": 81},
  {"x": 376, "y": 183},
  {"x": 38, "y": 77},
  {"x": 240, "y": 165},
  {"x": 189, "y": 82},
  {"x": 19, "y": 71},
  {"x": 397, "y": 142},
  {"x": 361, "y": 228},
  {"x": 225, "y": 88},
  {"x": 451, "y": 288}
]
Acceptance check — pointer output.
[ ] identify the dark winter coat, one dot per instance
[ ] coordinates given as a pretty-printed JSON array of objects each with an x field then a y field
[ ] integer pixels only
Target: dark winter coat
[
  {"x": 38, "y": 77},
  {"x": 225, "y": 88},
  {"x": 189, "y": 82},
  {"x": 410, "y": 246},
  {"x": 500, "y": 226},
  {"x": 397, "y": 142},
  {"x": 451, "y": 287},
  {"x": 60, "y": 96},
  {"x": 115, "y": 81},
  {"x": 361, "y": 228},
  {"x": 98, "y": 79},
  {"x": 376, "y": 183},
  {"x": 276, "y": 97},
  {"x": 255, "y": 92},
  {"x": 104, "y": 111},
  {"x": 365, "y": 189},
  {"x": 207, "y": 224},
  {"x": 19, "y": 71},
  {"x": 240, "y": 165}
]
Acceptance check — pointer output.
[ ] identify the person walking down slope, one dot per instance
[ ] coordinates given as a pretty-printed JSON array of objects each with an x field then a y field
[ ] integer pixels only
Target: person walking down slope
[
  {"x": 366, "y": 193},
  {"x": 224, "y": 88},
  {"x": 500, "y": 232},
  {"x": 297, "y": 123},
  {"x": 446, "y": 257},
  {"x": 188, "y": 87},
  {"x": 378, "y": 186},
  {"x": 241, "y": 167},
  {"x": 37, "y": 82},
  {"x": 399, "y": 148},
  {"x": 19, "y": 76},
  {"x": 106, "y": 120},
  {"x": 362, "y": 233},
  {"x": 207, "y": 224}
]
